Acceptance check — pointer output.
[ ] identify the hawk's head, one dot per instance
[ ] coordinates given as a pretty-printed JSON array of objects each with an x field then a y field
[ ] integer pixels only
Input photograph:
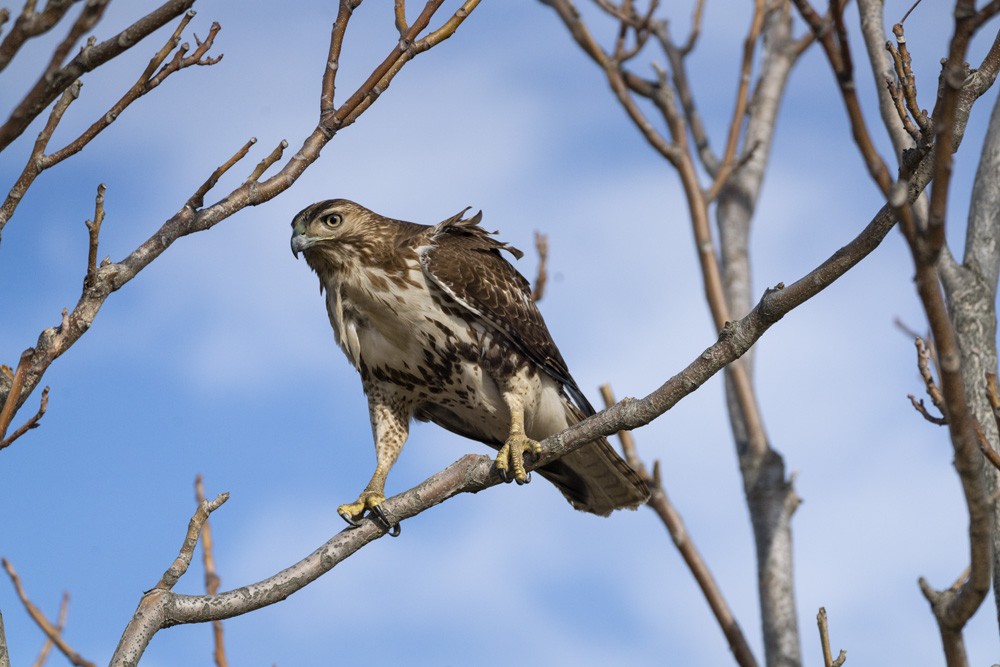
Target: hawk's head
[{"x": 335, "y": 232}]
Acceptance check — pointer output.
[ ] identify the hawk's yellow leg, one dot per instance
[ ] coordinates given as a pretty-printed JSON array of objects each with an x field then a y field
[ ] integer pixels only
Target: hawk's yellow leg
[
  {"x": 511, "y": 456},
  {"x": 390, "y": 426}
]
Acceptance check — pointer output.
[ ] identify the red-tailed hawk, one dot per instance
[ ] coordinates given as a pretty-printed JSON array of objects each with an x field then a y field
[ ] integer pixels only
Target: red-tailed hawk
[{"x": 442, "y": 328}]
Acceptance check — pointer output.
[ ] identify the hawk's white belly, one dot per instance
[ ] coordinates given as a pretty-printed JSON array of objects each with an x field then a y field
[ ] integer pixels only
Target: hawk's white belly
[{"x": 443, "y": 365}]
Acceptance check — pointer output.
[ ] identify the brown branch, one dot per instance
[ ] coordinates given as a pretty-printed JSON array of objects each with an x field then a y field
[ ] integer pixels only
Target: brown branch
[
  {"x": 541, "y": 278},
  {"x": 400, "y": 9},
  {"x": 266, "y": 163},
  {"x": 660, "y": 503},
  {"x": 824, "y": 637},
  {"x": 16, "y": 387},
  {"x": 53, "y": 82},
  {"x": 211, "y": 578},
  {"x": 28, "y": 24},
  {"x": 50, "y": 631},
  {"x": 43, "y": 654},
  {"x": 924, "y": 365},
  {"x": 919, "y": 406},
  {"x": 33, "y": 421},
  {"x": 94, "y": 231},
  {"x": 147, "y": 81},
  {"x": 993, "y": 396},
  {"x": 729, "y": 161},
  {"x": 957, "y": 91},
  {"x": 984, "y": 446},
  {"x": 837, "y": 49},
  {"x": 183, "y": 561},
  {"x": 908, "y": 82},
  {"x": 197, "y": 200}
]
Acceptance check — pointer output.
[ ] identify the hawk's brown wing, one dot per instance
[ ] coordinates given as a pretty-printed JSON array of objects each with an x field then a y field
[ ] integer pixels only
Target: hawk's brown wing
[{"x": 465, "y": 262}]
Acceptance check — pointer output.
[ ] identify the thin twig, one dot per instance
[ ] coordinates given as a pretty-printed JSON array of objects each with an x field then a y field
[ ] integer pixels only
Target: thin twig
[
  {"x": 541, "y": 278},
  {"x": 264, "y": 164},
  {"x": 183, "y": 561},
  {"x": 924, "y": 365},
  {"x": 211, "y": 578},
  {"x": 43, "y": 623},
  {"x": 94, "y": 230},
  {"x": 824, "y": 638},
  {"x": 197, "y": 200},
  {"x": 729, "y": 160},
  {"x": 984, "y": 446},
  {"x": 51, "y": 84},
  {"x": 147, "y": 81},
  {"x": 33, "y": 421},
  {"x": 919, "y": 406},
  {"x": 993, "y": 396},
  {"x": 43, "y": 654}
]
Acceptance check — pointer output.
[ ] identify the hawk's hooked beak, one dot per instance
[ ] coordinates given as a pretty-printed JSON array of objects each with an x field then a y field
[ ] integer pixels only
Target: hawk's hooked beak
[{"x": 299, "y": 243}]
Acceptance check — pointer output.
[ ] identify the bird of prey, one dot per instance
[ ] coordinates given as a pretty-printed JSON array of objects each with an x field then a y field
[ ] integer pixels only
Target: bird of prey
[{"x": 442, "y": 328}]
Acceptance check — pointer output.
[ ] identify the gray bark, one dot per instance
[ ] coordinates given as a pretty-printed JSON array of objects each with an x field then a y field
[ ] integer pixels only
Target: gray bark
[
  {"x": 971, "y": 288},
  {"x": 771, "y": 499}
]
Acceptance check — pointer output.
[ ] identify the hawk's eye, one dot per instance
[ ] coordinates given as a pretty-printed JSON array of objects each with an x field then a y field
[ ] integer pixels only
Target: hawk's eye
[{"x": 333, "y": 220}]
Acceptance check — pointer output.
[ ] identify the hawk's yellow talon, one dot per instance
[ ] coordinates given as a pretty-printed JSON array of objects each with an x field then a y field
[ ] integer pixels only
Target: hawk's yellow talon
[
  {"x": 511, "y": 456},
  {"x": 354, "y": 512}
]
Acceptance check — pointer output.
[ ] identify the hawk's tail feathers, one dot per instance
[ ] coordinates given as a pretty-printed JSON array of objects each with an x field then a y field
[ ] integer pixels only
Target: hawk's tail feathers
[{"x": 594, "y": 478}]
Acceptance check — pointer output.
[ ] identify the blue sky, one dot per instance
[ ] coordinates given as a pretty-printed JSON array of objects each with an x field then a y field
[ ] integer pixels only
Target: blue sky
[{"x": 218, "y": 359}]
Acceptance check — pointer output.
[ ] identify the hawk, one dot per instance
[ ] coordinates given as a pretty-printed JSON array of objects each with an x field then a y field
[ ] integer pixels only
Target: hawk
[{"x": 442, "y": 328}]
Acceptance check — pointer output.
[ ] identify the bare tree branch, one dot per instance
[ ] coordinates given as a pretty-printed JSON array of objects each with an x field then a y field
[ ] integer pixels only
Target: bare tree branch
[
  {"x": 660, "y": 503},
  {"x": 151, "y": 77},
  {"x": 43, "y": 654},
  {"x": 4, "y": 652},
  {"x": 211, "y": 578},
  {"x": 54, "y": 81},
  {"x": 28, "y": 24},
  {"x": 824, "y": 637},
  {"x": 542, "y": 276},
  {"x": 51, "y": 631}
]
